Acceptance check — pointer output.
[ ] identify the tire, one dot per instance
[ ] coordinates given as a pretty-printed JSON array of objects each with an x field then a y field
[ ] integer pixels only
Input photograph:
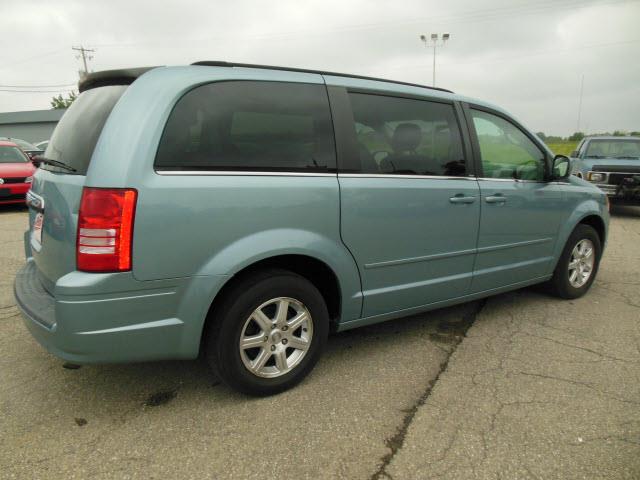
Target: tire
[
  {"x": 236, "y": 316},
  {"x": 561, "y": 284}
]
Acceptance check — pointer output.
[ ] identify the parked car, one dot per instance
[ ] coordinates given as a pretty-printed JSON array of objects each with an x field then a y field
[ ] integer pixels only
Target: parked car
[
  {"x": 246, "y": 211},
  {"x": 16, "y": 173},
  {"x": 42, "y": 145},
  {"x": 29, "y": 148},
  {"x": 611, "y": 163}
]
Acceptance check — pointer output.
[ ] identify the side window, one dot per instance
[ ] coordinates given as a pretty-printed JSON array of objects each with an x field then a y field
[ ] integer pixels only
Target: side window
[
  {"x": 247, "y": 125},
  {"x": 408, "y": 137},
  {"x": 505, "y": 150}
]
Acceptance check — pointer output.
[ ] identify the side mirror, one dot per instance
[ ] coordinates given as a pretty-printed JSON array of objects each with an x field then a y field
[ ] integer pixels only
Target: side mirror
[
  {"x": 561, "y": 167},
  {"x": 574, "y": 154}
]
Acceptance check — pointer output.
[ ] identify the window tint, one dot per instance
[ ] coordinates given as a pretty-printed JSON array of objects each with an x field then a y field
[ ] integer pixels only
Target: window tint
[
  {"x": 404, "y": 136},
  {"x": 12, "y": 155},
  {"x": 248, "y": 125},
  {"x": 505, "y": 150},
  {"x": 77, "y": 132}
]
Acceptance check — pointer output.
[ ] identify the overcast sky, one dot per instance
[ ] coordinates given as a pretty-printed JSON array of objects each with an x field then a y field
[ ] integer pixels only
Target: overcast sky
[{"x": 527, "y": 56}]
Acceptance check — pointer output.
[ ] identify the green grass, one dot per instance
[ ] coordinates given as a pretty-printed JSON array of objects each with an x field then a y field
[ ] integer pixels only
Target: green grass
[{"x": 562, "y": 148}]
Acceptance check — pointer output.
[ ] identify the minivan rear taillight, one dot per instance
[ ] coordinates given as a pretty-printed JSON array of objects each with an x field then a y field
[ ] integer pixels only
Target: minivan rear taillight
[{"x": 105, "y": 229}]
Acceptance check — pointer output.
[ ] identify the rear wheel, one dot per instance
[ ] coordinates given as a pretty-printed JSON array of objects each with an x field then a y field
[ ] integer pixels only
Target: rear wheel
[
  {"x": 578, "y": 264},
  {"x": 267, "y": 333}
]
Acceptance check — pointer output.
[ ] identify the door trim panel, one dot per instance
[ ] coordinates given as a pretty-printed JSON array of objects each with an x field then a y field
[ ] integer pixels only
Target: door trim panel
[
  {"x": 426, "y": 258},
  {"x": 514, "y": 245}
]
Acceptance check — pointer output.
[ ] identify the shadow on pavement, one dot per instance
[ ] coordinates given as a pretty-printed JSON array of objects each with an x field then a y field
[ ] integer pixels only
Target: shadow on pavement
[{"x": 625, "y": 211}]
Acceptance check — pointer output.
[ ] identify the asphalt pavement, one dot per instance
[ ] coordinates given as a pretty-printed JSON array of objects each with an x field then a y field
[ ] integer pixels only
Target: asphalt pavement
[{"x": 522, "y": 385}]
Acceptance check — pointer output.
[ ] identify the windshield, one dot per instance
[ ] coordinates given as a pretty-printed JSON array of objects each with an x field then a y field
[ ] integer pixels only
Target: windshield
[
  {"x": 77, "y": 133},
  {"x": 21, "y": 143},
  {"x": 12, "y": 155},
  {"x": 613, "y": 149}
]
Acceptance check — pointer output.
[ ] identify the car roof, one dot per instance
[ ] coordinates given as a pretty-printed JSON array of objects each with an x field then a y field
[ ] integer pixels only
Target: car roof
[
  {"x": 611, "y": 137},
  {"x": 129, "y": 75},
  {"x": 17, "y": 142},
  {"x": 126, "y": 76},
  {"x": 6, "y": 143}
]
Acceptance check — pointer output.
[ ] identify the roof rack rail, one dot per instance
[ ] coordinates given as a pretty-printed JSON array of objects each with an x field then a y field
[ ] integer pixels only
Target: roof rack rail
[{"x": 217, "y": 63}]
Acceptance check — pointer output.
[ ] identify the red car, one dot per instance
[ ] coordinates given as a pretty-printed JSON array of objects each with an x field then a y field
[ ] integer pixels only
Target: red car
[{"x": 16, "y": 173}]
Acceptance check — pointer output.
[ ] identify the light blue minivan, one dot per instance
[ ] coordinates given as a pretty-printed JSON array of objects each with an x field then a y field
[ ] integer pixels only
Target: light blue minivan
[{"x": 244, "y": 212}]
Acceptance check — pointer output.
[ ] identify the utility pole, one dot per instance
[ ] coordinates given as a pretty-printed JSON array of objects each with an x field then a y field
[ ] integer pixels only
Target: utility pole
[
  {"x": 84, "y": 54},
  {"x": 433, "y": 41},
  {"x": 580, "y": 103}
]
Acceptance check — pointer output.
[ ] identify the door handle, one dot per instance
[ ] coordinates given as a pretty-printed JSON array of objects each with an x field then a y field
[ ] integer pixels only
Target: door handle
[
  {"x": 497, "y": 198},
  {"x": 461, "y": 198}
]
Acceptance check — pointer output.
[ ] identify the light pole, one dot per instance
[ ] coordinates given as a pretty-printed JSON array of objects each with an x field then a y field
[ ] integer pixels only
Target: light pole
[
  {"x": 580, "y": 103},
  {"x": 433, "y": 41}
]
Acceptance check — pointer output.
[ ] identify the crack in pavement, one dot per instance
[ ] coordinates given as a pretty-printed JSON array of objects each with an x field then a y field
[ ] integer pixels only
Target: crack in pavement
[{"x": 396, "y": 442}]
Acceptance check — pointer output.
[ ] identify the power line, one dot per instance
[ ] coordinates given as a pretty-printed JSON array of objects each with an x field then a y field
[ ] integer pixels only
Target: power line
[
  {"x": 515, "y": 57},
  {"x": 30, "y": 59},
  {"x": 449, "y": 19}
]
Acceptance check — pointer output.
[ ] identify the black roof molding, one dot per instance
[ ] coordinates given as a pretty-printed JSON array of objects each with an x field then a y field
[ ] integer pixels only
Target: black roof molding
[
  {"x": 125, "y": 76},
  {"x": 215, "y": 63}
]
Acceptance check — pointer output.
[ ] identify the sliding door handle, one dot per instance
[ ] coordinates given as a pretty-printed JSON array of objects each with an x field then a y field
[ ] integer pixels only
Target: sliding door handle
[
  {"x": 461, "y": 198},
  {"x": 498, "y": 198}
]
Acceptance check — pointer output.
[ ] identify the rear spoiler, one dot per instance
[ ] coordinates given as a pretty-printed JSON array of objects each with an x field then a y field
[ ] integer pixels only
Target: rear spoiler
[{"x": 111, "y": 77}]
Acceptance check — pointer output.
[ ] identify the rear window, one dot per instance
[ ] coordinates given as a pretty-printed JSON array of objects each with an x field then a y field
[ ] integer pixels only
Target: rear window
[
  {"x": 251, "y": 126},
  {"x": 76, "y": 135}
]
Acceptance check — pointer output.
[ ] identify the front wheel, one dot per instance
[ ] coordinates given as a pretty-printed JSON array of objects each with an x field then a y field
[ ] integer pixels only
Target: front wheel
[
  {"x": 578, "y": 264},
  {"x": 268, "y": 332}
]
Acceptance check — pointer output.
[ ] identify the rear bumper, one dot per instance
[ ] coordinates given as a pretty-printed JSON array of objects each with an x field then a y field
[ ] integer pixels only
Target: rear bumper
[{"x": 160, "y": 321}]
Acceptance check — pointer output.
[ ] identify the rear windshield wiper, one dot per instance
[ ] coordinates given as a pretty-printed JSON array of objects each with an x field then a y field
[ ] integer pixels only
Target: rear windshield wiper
[{"x": 56, "y": 163}]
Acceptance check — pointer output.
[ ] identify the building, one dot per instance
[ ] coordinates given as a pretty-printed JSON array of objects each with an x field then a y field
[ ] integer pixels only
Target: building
[{"x": 33, "y": 126}]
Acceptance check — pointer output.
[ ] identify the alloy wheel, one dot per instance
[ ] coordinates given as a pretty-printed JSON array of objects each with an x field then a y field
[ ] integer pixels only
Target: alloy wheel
[{"x": 276, "y": 337}]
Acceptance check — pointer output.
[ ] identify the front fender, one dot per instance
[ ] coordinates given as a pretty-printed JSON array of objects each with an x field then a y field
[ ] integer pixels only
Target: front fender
[
  {"x": 270, "y": 243},
  {"x": 583, "y": 210}
]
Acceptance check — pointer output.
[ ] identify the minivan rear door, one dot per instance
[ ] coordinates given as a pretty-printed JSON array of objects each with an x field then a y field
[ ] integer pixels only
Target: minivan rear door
[
  {"x": 55, "y": 195},
  {"x": 409, "y": 203}
]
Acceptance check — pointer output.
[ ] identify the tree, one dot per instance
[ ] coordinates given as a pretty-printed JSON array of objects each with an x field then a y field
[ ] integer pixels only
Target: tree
[
  {"x": 541, "y": 136},
  {"x": 60, "y": 102},
  {"x": 619, "y": 133},
  {"x": 634, "y": 134},
  {"x": 576, "y": 137}
]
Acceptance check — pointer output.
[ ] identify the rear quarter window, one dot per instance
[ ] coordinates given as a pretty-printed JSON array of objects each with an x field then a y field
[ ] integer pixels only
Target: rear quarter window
[
  {"x": 77, "y": 133},
  {"x": 250, "y": 126}
]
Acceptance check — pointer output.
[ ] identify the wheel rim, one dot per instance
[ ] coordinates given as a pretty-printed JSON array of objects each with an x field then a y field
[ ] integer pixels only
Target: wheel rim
[
  {"x": 581, "y": 263},
  {"x": 276, "y": 337}
]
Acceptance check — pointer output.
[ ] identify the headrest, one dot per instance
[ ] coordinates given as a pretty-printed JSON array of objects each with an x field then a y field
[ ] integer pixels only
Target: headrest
[
  {"x": 595, "y": 149},
  {"x": 629, "y": 149},
  {"x": 407, "y": 136}
]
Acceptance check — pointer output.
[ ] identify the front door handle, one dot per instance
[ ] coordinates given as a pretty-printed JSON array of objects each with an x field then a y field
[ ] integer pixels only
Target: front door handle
[
  {"x": 461, "y": 198},
  {"x": 497, "y": 198}
]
